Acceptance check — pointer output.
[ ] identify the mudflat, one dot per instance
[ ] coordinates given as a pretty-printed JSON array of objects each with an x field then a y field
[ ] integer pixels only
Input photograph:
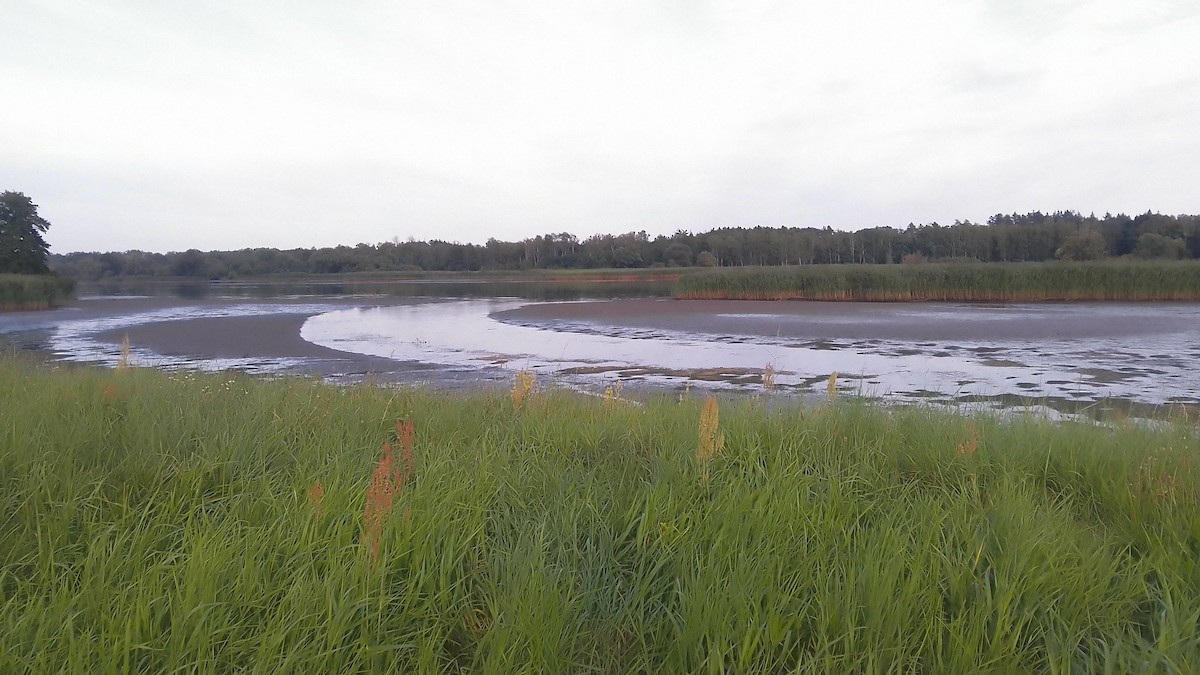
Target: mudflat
[
  {"x": 228, "y": 337},
  {"x": 269, "y": 329},
  {"x": 915, "y": 322}
]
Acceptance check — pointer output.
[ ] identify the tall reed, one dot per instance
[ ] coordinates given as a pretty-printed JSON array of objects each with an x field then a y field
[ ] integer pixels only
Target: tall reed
[
  {"x": 29, "y": 291},
  {"x": 991, "y": 282}
]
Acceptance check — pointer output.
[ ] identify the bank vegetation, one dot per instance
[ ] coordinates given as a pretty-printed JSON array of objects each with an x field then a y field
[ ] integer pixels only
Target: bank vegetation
[
  {"x": 217, "y": 523},
  {"x": 33, "y": 291},
  {"x": 961, "y": 282}
]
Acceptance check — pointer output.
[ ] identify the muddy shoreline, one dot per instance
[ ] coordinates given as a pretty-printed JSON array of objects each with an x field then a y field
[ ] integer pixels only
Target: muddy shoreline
[{"x": 273, "y": 334}]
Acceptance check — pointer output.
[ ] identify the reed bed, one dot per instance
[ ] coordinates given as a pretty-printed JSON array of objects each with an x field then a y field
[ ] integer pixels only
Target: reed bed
[
  {"x": 217, "y": 523},
  {"x": 990, "y": 282},
  {"x": 33, "y": 291}
]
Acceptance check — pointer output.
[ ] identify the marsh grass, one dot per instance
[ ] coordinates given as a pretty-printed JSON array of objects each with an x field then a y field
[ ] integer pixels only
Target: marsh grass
[
  {"x": 990, "y": 282},
  {"x": 33, "y": 291},
  {"x": 173, "y": 523}
]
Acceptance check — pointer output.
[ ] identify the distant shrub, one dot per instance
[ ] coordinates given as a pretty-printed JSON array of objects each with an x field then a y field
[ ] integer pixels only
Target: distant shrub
[
  {"x": 1151, "y": 245},
  {"x": 1082, "y": 246},
  {"x": 33, "y": 291}
]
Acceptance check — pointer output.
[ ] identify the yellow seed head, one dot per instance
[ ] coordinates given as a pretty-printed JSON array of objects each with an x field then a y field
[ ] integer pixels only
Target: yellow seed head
[
  {"x": 523, "y": 383},
  {"x": 712, "y": 441},
  {"x": 123, "y": 361},
  {"x": 612, "y": 393}
]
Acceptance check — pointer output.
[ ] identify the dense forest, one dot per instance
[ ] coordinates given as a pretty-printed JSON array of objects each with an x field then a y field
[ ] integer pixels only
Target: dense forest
[{"x": 1036, "y": 236}]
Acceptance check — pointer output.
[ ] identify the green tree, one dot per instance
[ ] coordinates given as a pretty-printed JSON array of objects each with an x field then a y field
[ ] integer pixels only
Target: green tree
[
  {"x": 23, "y": 250},
  {"x": 1152, "y": 245},
  {"x": 678, "y": 255},
  {"x": 1082, "y": 246}
]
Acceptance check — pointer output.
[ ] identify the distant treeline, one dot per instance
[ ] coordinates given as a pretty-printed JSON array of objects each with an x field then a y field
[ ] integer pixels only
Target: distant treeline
[{"x": 1030, "y": 237}]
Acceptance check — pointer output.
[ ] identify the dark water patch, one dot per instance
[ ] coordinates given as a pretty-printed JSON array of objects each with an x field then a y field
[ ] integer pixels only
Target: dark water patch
[
  {"x": 1002, "y": 363},
  {"x": 28, "y": 340},
  {"x": 925, "y": 394},
  {"x": 1101, "y": 375}
]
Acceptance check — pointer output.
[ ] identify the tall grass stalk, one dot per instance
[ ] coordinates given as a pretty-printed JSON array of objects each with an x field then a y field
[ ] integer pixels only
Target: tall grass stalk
[{"x": 173, "y": 523}]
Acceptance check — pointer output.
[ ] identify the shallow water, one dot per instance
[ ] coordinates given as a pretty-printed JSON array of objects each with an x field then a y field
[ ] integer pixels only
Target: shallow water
[
  {"x": 1004, "y": 355},
  {"x": 1078, "y": 354}
]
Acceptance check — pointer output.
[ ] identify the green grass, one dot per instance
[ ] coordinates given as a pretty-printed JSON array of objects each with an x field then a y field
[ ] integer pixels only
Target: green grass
[
  {"x": 33, "y": 291},
  {"x": 1108, "y": 280},
  {"x": 159, "y": 523}
]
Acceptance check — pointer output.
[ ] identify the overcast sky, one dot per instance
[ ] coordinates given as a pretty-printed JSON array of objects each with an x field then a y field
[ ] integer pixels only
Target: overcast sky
[{"x": 173, "y": 124}]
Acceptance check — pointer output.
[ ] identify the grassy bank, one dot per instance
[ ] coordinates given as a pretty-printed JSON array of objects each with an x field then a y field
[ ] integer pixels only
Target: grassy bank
[
  {"x": 156, "y": 523},
  {"x": 29, "y": 291},
  {"x": 990, "y": 282}
]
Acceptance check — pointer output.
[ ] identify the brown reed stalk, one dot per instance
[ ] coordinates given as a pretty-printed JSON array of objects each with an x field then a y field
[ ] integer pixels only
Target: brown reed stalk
[
  {"x": 523, "y": 383},
  {"x": 831, "y": 390},
  {"x": 968, "y": 447},
  {"x": 316, "y": 494},
  {"x": 768, "y": 378},
  {"x": 404, "y": 433},
  {"x": 387, "y": 481},
  {"x": 123, "y": 359},
  {"x": 712, "y": 441},
  {"x": 380, "y": 495}
]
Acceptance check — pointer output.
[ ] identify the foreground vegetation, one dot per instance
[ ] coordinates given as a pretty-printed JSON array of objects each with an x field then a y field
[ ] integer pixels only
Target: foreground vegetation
[
  {"x": 33, "y": 291},
  {"x": 1017, "y": 282},
  {"x": 156, "y": 523}
]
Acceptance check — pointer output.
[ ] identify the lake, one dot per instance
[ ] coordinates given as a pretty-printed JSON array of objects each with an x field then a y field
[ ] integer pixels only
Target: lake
[{"x": 587, "y": 335}]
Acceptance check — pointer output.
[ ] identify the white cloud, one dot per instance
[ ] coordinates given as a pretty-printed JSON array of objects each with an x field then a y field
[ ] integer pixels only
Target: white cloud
[{"x": 169, "y": 126}]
